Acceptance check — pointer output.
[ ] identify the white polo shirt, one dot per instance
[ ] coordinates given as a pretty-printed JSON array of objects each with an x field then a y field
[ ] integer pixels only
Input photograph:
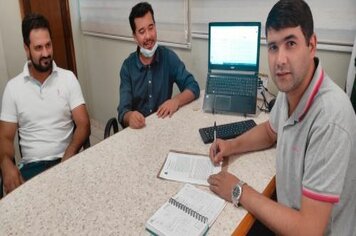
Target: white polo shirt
[
  {"x": 42, "y": 112},
  {"x": 316, "y": 151}
]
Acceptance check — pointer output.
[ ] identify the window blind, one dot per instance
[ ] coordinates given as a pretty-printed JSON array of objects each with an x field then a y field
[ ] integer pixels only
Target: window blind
[
  {"x": 109, "y": 18},
  {"x": 334, "y": 21}
]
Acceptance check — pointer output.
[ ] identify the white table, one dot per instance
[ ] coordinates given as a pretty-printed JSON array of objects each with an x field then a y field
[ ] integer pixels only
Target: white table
[{"x": 112, "y": 188}]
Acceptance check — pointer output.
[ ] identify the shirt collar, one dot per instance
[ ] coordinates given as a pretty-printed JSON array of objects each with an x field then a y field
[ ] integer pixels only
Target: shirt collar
[
  {"x": 27, "y": 75},
  {"x": 310, "y": 93},
  {"x": 140, "y": 65}
]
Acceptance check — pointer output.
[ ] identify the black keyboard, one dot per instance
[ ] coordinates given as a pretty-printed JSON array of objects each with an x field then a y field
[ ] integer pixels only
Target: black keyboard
[
  {"x": 226, "y": 131},
  {"x": 241, "y": 85}
]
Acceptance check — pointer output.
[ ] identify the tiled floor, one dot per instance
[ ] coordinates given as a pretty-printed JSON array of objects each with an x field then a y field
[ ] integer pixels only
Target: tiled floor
[{"x": 97, "y": 132}]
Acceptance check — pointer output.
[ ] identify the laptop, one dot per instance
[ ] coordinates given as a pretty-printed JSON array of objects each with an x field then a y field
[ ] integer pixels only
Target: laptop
[{"x": 233, "y": 63}]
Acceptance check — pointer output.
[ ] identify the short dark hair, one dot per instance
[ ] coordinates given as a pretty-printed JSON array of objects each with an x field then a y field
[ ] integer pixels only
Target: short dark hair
[
  {"x": 33, "y": 21},
  {"x": 291, "y": 13},
  {"x": 139, "y": 10}
]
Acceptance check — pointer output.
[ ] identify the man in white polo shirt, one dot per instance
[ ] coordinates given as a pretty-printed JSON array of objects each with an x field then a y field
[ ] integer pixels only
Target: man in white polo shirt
[
  {"x": 314, "y": 125},
  {"x": 43, "y": 104}
]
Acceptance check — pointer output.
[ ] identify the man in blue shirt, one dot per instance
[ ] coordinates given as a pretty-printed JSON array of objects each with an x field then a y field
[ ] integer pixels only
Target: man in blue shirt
[{"x": 147, "y": 75}]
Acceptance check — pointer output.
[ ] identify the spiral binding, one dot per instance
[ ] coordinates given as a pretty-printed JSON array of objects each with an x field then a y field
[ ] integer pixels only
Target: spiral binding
[{"x": 188, "y": 210}]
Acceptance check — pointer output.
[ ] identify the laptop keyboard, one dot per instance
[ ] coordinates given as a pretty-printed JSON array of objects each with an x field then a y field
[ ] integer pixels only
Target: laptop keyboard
[
  {"x": 226, "y": 131},
  {"x": 232, "y": 85}
]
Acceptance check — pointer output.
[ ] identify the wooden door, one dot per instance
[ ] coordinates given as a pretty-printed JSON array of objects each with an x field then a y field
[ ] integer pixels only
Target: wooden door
[{"x": 57, "y": 13}]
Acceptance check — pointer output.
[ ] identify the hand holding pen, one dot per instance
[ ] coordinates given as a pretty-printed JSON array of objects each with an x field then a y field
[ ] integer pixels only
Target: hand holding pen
[{"x": 219, "y": 148}]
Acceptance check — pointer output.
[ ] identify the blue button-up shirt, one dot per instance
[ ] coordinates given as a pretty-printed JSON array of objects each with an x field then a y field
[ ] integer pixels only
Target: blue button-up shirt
[{"x": 144, "y": 88}]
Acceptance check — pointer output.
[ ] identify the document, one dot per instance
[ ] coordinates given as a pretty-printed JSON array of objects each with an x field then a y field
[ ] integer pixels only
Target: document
[
  {"x": 188, "y": 168},
  {"x": 191, "y": 211}
]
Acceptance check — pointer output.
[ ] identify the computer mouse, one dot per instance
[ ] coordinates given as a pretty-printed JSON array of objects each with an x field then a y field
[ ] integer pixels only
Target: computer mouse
[{"x": 271, "y": 104}]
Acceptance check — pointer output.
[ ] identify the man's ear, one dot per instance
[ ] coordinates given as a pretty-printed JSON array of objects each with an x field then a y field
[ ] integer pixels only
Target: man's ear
[
  {"x": 134, "y": 37},
  {"x": 312, "y": 43},
  {"x": 27, "y": 50}
]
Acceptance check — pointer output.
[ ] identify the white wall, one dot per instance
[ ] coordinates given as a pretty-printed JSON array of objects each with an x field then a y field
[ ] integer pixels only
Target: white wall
[
  {"x": 12, "y": 55},
  {"x": 10, "y": 26},
  {"x": 99, "y": 60}
]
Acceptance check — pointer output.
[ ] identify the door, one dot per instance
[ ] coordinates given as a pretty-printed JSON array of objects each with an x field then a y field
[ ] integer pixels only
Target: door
[{"x": 57, "y": 13}]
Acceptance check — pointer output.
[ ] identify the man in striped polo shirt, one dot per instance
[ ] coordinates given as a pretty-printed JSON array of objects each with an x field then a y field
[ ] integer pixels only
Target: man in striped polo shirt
[{"x": 314, "y": 126}]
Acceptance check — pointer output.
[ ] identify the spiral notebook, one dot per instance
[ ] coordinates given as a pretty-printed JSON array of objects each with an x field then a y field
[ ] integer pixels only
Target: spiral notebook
[{"x": 191, "y": 211}]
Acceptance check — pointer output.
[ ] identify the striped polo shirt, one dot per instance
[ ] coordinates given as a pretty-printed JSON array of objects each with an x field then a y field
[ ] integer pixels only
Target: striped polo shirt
[{"x": 316, "y": 151}]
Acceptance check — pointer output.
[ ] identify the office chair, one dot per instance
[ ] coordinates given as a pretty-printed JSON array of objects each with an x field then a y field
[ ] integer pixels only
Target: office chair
[
  {"x": 353, "y": 93},
  {"x": 112, "y": 124},
  {"x": 86, "y": 145},
  {"x": 1, "y": 188}
]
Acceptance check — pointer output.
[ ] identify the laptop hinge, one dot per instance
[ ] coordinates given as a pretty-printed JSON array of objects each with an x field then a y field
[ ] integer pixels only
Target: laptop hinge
[{"x": 232, "y": 72}]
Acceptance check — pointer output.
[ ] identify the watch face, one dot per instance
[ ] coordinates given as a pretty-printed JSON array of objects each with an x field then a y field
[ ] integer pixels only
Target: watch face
[{"x": 237, "y": 191}]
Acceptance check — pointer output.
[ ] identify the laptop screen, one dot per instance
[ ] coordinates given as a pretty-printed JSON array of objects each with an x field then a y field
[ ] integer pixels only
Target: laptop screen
[{"x": 234, "y": 46}]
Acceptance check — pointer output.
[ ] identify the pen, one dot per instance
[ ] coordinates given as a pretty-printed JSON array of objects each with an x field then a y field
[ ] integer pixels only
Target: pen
[{"x": 215, "y": 138}]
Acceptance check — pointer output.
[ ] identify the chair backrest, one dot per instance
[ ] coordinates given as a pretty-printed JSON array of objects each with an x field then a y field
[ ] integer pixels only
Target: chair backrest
[
  {"x": 86, "y": 144},
  {"x": 351, "y": 77},
  {"x": 112, "y": 124},
  {"x": 1, "y": 188},
  {"x": 353, "y": 92}
]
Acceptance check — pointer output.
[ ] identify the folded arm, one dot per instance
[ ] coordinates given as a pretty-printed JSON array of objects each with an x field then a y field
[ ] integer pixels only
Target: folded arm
[
  {"x": 169, "y": 107},
  {"x": 186, "y": 83}
]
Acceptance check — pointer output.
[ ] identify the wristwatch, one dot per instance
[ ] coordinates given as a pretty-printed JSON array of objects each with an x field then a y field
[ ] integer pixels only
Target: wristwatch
[{"x": 236, "y": 193}]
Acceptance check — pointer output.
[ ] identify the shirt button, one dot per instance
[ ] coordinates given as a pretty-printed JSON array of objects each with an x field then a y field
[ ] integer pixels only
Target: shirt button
[
  {"x": 151, "y": 110},
  {"x": 149, "y": 81},
  {"x": 150, "y": 96}
]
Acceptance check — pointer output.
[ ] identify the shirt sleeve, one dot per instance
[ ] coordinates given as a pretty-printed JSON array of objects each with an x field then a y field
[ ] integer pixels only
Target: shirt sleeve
[
  {"x": 183, "y": 78},
  {"x": 8, "y": 108},
  {"x": 125, "y": 93},
  {"x": 76, "y": 95},
  {"x": 326, "y": 162}
]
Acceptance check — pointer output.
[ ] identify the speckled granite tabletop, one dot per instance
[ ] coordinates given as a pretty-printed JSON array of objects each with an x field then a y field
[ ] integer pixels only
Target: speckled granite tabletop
[{"x": 112, "y": 188}]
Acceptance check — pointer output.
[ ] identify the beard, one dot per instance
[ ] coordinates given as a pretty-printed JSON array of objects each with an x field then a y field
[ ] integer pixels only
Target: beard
[{"x": 42, "y": 67}]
